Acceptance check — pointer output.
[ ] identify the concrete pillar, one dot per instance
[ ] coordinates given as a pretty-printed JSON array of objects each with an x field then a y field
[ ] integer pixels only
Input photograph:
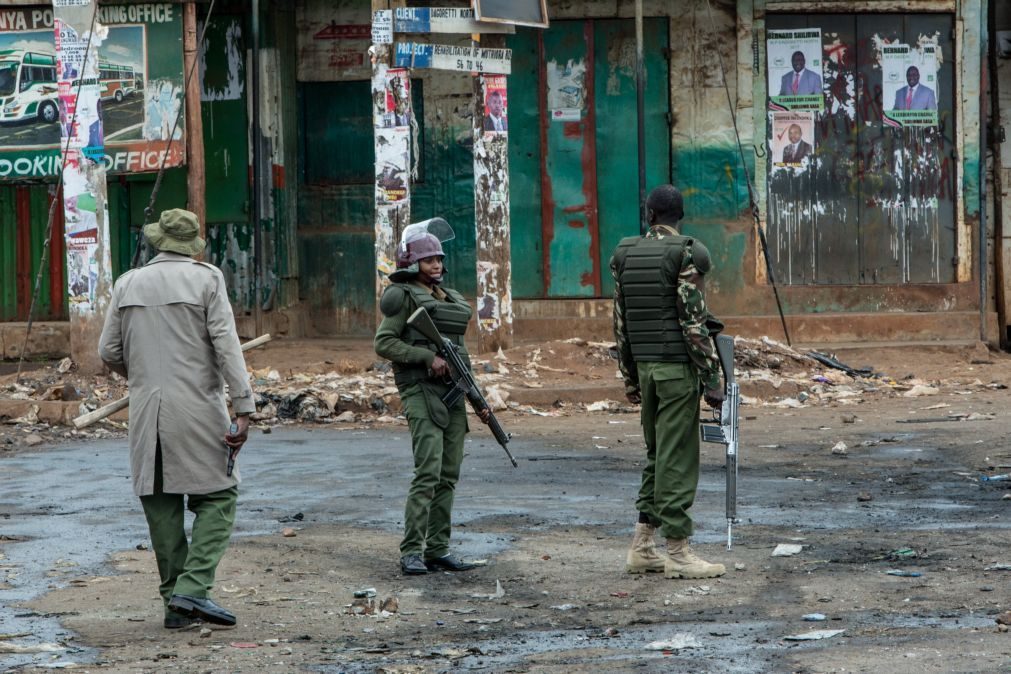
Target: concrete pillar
[
  {"x": 393, "y": 169},
  {"x": 491, "y": 211},
  {"x": 89, "y": 262}
]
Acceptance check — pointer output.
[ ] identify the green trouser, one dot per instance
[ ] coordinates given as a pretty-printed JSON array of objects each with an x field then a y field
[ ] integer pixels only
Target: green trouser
[
  {"x": 670, "y": 426},
  {"x": 188, "y": 568},
  {"x": 438, "y": 453}
]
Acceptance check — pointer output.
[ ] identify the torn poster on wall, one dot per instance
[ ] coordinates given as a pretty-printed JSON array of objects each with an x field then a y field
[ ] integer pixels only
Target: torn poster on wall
[
  {"x": 909, "y": 85},
  {"x": 137, "y": 83},
  {"x": 387, "y": 234},
  {"x": 382, "y": 26},
  {"x": 397, "y": 101},
  {"x": 795, "y": 69},
  {"x": 495, "y": 105},
  {"x": 392, "y": 164},
  {"x": 75, "y": 71},
  {"x": 566, "y": 90},
  {"x": 81, "y": 228},
  {"x": 792, "y": 139}
]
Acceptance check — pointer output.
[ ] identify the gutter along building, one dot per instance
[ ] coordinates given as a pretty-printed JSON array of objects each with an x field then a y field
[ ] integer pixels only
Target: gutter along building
[{"x": 878, "y": 211}]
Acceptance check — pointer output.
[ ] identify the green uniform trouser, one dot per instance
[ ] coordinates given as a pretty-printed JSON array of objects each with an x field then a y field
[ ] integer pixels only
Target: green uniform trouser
[
  {"x": 670, "y": 426},
  {"x": 438, "y": 453},
  {"x": 188, "y": 568}
]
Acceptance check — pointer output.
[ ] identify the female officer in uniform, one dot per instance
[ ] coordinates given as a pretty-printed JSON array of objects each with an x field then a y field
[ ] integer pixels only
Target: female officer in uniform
[{"x": 437, "y": 432}]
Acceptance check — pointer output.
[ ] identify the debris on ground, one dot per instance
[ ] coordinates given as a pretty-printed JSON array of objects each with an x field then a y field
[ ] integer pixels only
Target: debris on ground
[
  {"x": 498, "y": 594},
  {"x": 787, "y": 550},
  {"x": 678, "y": 642},
  {"x": 547, "y": 379},
  {"x": 814, "y": 635}
]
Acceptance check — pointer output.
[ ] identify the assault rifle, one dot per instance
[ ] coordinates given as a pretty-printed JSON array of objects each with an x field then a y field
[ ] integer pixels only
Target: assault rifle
[
  {"x": 726, "y": 432},
  {"x": 463, "y": 381}
]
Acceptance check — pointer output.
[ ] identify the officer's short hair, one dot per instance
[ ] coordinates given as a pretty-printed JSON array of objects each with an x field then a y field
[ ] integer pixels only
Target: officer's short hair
[{"x": 666, "y": 203}]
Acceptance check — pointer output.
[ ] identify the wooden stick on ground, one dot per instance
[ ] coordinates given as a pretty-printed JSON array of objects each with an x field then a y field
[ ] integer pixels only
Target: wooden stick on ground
[{"x": 86, "y": 420}]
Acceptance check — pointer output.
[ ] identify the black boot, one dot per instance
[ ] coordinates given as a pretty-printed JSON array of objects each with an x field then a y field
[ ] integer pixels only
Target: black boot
[{"x": 412, "y": 565}]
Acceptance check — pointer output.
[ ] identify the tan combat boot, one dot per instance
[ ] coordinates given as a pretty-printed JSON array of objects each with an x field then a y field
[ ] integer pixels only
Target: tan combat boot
[
  {"x": 682, "y": 562},
  {"x": 642, "y": 556}
]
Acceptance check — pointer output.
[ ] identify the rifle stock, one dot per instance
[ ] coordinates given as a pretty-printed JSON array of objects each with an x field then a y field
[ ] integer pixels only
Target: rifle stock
[{"x": 464, "y": 383}]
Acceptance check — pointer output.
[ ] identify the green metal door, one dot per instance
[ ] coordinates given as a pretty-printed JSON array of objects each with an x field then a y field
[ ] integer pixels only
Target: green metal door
[
  {"x": 578, "y": 137},
  {"x": 24, "y": 217}
]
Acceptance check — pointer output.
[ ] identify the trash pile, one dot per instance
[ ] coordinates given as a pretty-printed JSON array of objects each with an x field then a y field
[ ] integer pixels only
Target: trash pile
[
  {"x": 772, "y": 374},
  {"x": 548, "y": 379}
]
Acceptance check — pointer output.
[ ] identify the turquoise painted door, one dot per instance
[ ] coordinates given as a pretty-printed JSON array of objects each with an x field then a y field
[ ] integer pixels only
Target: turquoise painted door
[{"x": 573, "y": 150}]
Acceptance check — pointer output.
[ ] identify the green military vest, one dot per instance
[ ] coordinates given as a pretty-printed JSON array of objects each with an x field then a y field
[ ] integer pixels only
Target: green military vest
[
  {"x": 651, "y": 315},
  {"x": 450, "y": 317}
]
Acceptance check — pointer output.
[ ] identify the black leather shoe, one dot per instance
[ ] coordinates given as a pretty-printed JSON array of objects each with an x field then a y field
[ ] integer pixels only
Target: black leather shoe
[
  {"x": 201, "y": 607},
  {"x": 412, "y": 565},
  {"x": 175, "y": 621},
  {"x": 448, "y": 563}
]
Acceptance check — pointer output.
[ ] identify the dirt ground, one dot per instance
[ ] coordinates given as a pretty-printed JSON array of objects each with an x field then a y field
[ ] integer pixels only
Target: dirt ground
[{"x": 870, "y": 475}]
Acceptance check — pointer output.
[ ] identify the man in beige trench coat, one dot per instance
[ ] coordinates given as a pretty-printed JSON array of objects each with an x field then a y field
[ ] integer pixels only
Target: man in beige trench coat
[{"x": 170, "y": 331}]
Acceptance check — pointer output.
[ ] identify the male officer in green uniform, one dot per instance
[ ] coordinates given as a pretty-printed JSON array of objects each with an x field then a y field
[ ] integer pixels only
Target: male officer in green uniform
[
  {"x": 170, "y": 330},
  {"x": 437, "y": 432},
  {"x": 666, "y": 356}
]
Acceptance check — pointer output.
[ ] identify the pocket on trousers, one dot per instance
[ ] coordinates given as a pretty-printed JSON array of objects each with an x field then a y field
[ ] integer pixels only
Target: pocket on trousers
[
  {"x": 437, "y": 410},
  {"x": 673, "y": 380}
]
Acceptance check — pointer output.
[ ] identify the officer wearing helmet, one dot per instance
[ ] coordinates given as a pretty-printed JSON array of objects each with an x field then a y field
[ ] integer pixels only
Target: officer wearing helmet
[
  {"x": 667, "y": 358},
  {"x": 437, "y": 432}
]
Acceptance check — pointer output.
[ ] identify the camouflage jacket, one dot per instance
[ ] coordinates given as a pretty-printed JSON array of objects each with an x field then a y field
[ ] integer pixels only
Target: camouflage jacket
[{"x": 692, "y": 314}]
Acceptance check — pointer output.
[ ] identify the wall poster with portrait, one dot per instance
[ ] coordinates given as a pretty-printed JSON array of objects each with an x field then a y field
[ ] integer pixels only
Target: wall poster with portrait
[
  {"x": 909, "y": 85},
  {"x": 860, "y": 135}
]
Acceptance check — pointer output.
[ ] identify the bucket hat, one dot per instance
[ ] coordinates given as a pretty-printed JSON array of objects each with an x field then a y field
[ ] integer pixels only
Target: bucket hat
[{"x": 177, "y": 231}]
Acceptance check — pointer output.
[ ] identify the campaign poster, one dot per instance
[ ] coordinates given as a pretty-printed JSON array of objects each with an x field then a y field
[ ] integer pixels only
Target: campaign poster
[
  {"x": 795, "y": 69},
  {"x": 496, "y": 118},
  {"x": 392, "y": 165},
  {"x": 397, "y": 108},
  {"x": 792, "y": 139},
  {"x": 135, "y": 87},
  {"x": 909, "y": 85}
]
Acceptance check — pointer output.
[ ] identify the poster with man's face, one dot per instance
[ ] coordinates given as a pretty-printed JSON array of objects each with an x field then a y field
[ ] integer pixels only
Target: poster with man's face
[
  {"x": 909, "y": 85},
  {"x": 792, "y": 143},
  {"x": 794, "y": 66},
  {"x": 495, "y": 115}
]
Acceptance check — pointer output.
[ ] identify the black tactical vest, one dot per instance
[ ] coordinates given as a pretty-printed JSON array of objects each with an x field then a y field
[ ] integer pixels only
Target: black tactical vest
[
  {"x": 450, "y": 317},
  {"x": 651, "y": 316}
]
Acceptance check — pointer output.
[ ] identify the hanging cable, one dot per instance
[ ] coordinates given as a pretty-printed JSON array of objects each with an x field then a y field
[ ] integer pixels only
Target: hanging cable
[
  {"x": 52, "y": 204},
  {"x": 747, "y": 177}
]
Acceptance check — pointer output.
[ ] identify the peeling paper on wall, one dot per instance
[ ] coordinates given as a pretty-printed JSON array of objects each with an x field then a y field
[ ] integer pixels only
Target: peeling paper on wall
[
  {"x": 488, "y": 310},
  {"x": 386, "y": 239},
  {"x": 86, "y": 227},
  {"x": 227, "y": 86},
  {"x": 566, "y": 89},
  {"x": 162, "y": 100},
  {"x": 392, "y": 164}
]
